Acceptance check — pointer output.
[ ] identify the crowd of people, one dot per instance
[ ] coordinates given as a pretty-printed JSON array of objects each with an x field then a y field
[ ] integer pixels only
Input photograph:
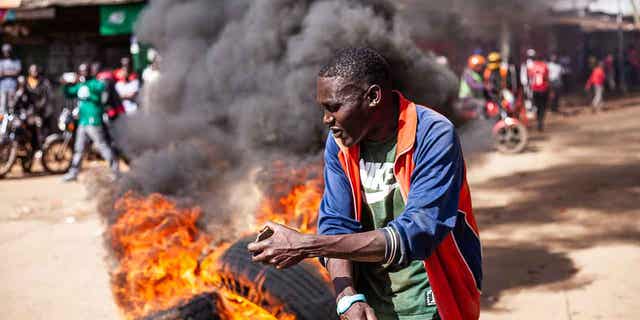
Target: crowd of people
[
  {"x": 537, "y": 83},
  {"x": 97, "y": 95},
  {"x": 101, "y": 95}
]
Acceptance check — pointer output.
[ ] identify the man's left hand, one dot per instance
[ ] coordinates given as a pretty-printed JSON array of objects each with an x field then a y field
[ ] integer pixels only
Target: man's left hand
[{"x": 283, "y": 249}]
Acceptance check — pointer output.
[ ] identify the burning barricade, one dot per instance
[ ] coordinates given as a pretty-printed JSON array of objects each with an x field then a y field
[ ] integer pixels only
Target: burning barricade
[{"x": 169, "y": 268}]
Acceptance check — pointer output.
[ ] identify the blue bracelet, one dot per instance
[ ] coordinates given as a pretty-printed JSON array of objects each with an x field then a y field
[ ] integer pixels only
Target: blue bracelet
[{"x": 347, "y": 301}]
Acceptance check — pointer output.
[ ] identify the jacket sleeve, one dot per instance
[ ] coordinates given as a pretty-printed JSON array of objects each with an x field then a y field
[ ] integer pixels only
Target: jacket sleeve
[
  {"x": 336, "y": 215},
  {"x": 432, "y": 204}
]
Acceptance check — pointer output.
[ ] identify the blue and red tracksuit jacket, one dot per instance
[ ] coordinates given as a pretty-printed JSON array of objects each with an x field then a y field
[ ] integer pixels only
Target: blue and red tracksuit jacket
[{"x": 437, "y": 224}]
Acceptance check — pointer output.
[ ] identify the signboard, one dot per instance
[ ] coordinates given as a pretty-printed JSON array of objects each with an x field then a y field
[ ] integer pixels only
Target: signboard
[{"x": 119, "y": 19}]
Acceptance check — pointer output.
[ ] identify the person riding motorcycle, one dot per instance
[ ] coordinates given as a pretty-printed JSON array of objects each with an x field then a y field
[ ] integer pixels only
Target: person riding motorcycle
[
  {"x": 496, "y": 76},
  {"x": 472, "y": 90}
]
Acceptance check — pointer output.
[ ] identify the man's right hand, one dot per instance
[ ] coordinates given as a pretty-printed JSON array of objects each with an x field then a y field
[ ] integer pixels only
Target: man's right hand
[{"x": 359, "y": 311}]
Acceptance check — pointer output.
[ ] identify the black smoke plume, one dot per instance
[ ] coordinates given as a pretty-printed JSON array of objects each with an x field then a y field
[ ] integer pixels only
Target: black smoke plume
[{"x": 237, "y": 90}]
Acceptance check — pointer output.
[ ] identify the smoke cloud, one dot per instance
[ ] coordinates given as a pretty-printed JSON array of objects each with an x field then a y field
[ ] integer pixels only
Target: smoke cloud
[{"x": 237, "y": 90}]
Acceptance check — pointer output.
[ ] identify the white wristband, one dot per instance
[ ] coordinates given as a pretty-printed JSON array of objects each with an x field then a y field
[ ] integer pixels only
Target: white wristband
[{"x": 346, "y": 302}]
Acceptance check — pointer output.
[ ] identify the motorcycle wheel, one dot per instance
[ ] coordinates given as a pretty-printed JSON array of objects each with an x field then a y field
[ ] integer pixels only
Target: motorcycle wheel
[
  {"x": 8, "y": 156},
  {"x": 57, "y": 156},
  {"x": 510, "y": 138}
]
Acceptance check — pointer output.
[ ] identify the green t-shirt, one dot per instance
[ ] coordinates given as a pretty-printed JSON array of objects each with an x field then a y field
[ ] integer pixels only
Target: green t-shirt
[
  {"x": 89, "y": 94},
  {"x": 404, "y": 294}
]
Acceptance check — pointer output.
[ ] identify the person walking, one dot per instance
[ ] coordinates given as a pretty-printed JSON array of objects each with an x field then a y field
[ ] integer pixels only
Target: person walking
[
  {"x": 396, "y": 228},
  {"x": 596, "y": 80},
  {"x": 89, "y": 91},
  {"x": 555, "y": 79},
  {"x": 538, "y": 77}
]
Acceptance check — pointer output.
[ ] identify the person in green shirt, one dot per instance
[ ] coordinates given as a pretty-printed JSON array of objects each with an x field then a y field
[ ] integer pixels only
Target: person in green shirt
[
  {"x": 88, "y": 91},
  {"x": 472, "y": 90}
]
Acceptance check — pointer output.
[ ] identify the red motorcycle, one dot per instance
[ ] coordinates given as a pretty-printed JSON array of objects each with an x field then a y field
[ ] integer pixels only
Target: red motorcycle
[{"x": 510, "y": 131}]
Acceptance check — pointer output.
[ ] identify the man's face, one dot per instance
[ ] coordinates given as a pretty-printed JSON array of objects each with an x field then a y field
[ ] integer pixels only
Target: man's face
[
  {"x": 33, "y": 71},
  {"x": 83, "y": 72},
  {"x": 124, "y": 62},
  {"x": 95, "y": 69},
  {"x": 345, "y": 108}
]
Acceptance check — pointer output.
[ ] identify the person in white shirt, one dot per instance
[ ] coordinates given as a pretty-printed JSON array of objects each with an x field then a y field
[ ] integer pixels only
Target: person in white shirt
[
  {"x": 150, "y": 77},
  {"x": 524, "y": 81},
  {"x": 10, "y": 69},
  {"x": 555, "y": 79}
]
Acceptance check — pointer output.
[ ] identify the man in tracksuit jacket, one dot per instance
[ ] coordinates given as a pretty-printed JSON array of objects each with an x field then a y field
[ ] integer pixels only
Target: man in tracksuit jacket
[{"x": 396, "y": 228}]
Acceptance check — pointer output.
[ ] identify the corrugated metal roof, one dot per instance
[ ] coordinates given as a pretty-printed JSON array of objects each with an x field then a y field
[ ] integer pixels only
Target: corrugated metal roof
[
  {"x": 593, "y": 24},
  {"x": 30, "y": 4}
]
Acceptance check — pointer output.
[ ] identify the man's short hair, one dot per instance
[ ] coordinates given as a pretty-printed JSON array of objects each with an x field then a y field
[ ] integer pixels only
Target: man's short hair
[{"x": 363, "y": 65}]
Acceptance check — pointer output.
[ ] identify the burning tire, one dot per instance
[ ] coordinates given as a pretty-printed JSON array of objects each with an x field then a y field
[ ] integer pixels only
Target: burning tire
[
  {"x": 301, "y": 289},
  {"x": 201, "y": 307}
]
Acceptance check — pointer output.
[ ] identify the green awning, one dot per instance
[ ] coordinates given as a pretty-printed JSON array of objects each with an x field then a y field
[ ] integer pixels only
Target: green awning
[{"x": 119, "y": 19}]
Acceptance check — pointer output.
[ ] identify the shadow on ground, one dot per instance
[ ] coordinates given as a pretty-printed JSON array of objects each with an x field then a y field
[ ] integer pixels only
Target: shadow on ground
[
  {"x": 608, "y": 193},
  {"x": 610, "y": 189},
  {"x": 519, "y": 266}
]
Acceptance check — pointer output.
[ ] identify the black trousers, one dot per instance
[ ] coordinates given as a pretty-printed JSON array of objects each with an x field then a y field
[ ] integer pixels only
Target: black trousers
[{"x": 540, "y": 100}]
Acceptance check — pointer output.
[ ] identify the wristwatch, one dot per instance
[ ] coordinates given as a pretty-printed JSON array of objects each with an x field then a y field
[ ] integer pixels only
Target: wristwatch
[{"x": 345, "y": 302}]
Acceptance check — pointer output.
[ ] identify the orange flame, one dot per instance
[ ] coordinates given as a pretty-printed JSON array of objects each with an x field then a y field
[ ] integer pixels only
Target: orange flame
[
  {"x": 165, "y": 259},
  {"x": 298, "y": 208}
]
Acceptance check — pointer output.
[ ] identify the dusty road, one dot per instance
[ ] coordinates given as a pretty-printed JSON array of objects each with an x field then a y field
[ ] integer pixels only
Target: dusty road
[
  {"x": 51, "y": 252},
  {"x": 559, "y": 224}
]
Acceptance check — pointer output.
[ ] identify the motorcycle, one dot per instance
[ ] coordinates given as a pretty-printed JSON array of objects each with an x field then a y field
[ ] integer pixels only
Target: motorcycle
[
  {"x": 509, "y": 132},
  {"x": 57, "y": 150},
  {"x": 16, "y": 140}
]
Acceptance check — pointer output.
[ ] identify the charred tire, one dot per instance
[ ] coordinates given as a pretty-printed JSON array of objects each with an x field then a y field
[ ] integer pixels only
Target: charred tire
[
  {"x": 510, "y": 138},
  {"x": 300, "y": 288},
  {"x": 8, "y": 156},
  {"x": 201, "y": 307},
  {"x": 57, "y": 155}
]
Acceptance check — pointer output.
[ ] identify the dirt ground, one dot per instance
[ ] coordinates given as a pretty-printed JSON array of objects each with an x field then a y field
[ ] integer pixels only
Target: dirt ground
[{"x": 559, "y": 225}]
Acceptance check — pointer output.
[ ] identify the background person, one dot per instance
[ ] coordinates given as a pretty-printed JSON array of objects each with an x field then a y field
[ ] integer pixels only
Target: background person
[
  {"x": 150, "y": 78},
  {"x": 39, "y": 90},
  {"x": 89, "y": 91},
  {"x": 496, "y": 76},
  {"x": 472, "y": 91},
  {"x": 128, "y": 88},
  {"x": 555, "y": 80},
  {"x": 23, "y": 102},
  {"x": 125, "y": 71},
  {"x": 610, "y": 71},
  {"x": 10, "y": 69},
  {"x": 525, "y": 82},
  {"x": 538, "y": 77},
  {"x": 596, "y": 80}
]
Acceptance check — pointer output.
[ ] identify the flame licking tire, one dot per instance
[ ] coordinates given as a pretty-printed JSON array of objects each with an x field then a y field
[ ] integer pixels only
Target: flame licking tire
[{"x": 164, "y": 259}]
